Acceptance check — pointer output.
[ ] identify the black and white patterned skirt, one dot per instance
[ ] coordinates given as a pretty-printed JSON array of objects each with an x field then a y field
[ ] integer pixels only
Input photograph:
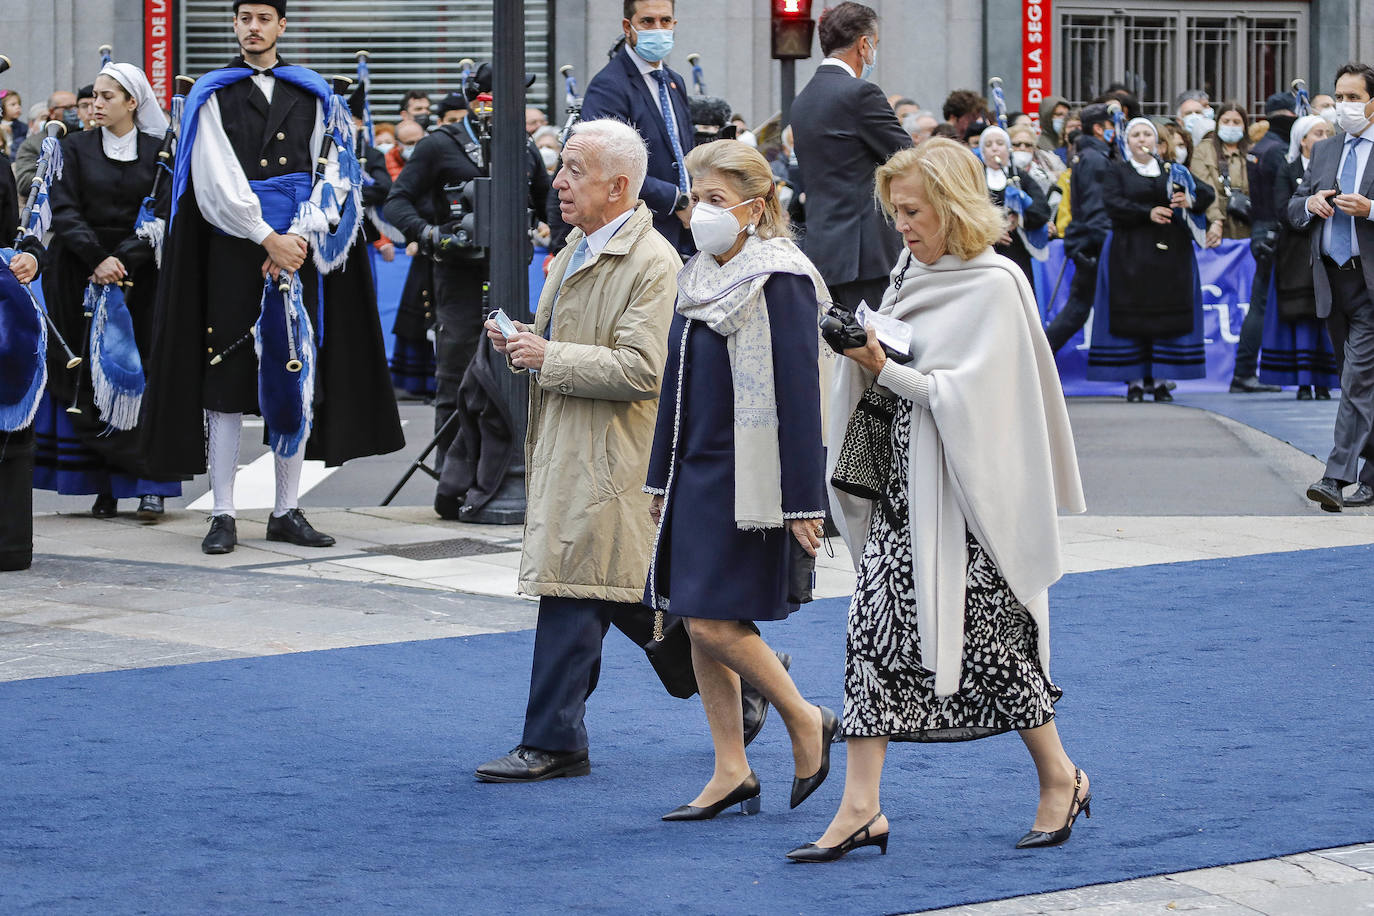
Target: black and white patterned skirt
[{"x": 886, "y": 690}]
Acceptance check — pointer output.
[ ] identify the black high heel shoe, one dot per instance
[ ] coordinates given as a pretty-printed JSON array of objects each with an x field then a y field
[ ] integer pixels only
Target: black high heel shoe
[
  {"x": 813, "y": 853},
  {"x": 746, "y": 795},
  {"x": 801, "y": 788},
  {"x": 1038, "y": 839}
]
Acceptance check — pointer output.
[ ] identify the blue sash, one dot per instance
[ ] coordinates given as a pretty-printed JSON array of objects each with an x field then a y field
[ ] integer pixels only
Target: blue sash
[{"x": 280, "y": 196}]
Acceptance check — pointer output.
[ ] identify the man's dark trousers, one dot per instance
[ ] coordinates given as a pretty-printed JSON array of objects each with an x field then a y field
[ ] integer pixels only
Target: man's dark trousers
[
  {"x": 1252, "y": 329},
  {"x": 1070, "y": 319},
  {"x": 1355, "y": 414},
  {"x": 567, "y": 665},
  {"x": 457, "y": 331}
]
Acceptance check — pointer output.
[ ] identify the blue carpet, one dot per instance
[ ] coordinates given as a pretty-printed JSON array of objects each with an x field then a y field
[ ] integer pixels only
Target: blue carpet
[{"x": 1224, "y": 710}]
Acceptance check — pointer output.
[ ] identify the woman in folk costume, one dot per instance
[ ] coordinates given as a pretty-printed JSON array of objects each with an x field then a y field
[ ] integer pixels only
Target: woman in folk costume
[
  {"x": 100, "y": 291},
  {"x": 1297, "y": 348},
  {"x": 1148, "y": 328},
  {"x": 949, "y": 624},
  {"x": 737, "y": 462},
  {"x": 1004, "y": 180}
]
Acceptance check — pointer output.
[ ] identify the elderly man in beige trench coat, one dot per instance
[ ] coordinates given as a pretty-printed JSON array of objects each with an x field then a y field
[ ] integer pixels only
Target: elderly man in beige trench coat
[{"x": 596, "y": 356}]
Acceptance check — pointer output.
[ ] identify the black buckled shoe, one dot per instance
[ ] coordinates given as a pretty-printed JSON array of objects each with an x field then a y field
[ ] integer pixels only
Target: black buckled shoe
[
  {"x": 1304, "y": 392},
  {"x": 530, "y": 764},
  {"x": 294, "y": 529},
  {"x": 1362, "y": 495},
  {"x": 1323, "y": 394},
  {"x": 1327, "y": 494},
  {"x": 150, "y": 508},
  {"x": 223, "y": 536},
  {"x": 105, "y": 506},
  {"x": 1135, "y": 394},
  {"x": 755, "y": 705},
  {"x": 1162, "y": 394}
]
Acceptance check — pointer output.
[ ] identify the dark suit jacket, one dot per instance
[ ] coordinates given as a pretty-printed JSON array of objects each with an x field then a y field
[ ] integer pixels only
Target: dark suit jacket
[
  {"x": 844, "y": 129},
  {"x": 1321, "y": 175},
  {"x": 619, "y": 91}
]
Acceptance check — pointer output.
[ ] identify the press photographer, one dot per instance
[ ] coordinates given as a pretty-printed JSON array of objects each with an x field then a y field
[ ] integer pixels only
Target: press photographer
[{"x": 445, "y": 177}]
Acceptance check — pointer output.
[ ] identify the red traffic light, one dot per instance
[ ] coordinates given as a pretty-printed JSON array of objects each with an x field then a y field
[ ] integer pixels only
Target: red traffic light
[{"x": 791, "y": 9}]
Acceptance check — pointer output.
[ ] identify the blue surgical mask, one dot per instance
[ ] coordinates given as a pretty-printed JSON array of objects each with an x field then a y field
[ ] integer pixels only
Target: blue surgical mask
[
  {"x": 870, "y": 65},
  {"x": 1109, "y": 134},
  {"x": 1230, "y": 133},
  {"x": 654, "y": 44},
  {"x": 1058, "y": 126}
]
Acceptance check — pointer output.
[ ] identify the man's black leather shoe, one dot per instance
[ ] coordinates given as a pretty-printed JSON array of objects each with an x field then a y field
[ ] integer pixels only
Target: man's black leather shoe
[
  {"x": 294, "y": 529},
  {"x": 223, "y": 535},
  {"x": 1327, "y": 494},
  {"x": 1362, "y": 495},
  {"x": 105, "y": 506},
  {"x": 447, "y": 507},
  {"x": 150, "y": 508},
  {"x": 530, "y": 764},
  {"x": 755, "y": 706},
  {"x": 1251, "y": 385}
]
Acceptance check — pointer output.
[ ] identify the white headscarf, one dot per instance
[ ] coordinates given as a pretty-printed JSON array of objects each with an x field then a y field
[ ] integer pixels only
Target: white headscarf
[
  {"x": 996, "y": 177},
  {"x": 148, "y": 117},
  {"x": 1301, "y": 128},
  {"x": 1149, "y": 168}
]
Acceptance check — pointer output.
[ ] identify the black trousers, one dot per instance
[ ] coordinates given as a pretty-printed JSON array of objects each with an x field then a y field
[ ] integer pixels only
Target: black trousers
[
  {"x": 457, "y": 330},
  {"x": 16, "y": 499},
  {"x": 1252, "y": 329},
  {"x": 567, "y": 665},
  {"x": 1071, "y": 318},
  {"x": 1352, "y": 313}
]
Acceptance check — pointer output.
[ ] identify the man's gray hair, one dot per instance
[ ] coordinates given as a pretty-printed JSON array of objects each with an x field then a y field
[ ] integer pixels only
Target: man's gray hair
[
  {"x": 620, "y": 150},
  {"x": 1189, "y": 95}
]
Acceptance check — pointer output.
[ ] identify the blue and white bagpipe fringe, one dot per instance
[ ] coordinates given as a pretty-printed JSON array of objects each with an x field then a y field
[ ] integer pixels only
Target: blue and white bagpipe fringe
[
  {"x": 1196, "y": 222},
  {"x": 150, "y": 227},
  {"x": 1037, "y": 241},
  {"x": 116, "y": 367},
  {"x": 283, "y": 333},
  {"x": 23, "y": 350},
  {"x": 330, "y": 223},
  {"x": 40, "y": 218}
]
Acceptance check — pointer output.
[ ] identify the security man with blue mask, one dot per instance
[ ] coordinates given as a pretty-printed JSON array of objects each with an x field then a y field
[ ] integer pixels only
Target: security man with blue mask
[
  {"x": 637, "y": 87},
  {"x": 1336, "y": 190},
  {"x": 436, "y": 183}
]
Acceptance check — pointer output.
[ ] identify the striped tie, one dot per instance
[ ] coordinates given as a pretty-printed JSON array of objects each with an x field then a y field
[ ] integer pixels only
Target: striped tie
[{"x": 666, "y": 106}]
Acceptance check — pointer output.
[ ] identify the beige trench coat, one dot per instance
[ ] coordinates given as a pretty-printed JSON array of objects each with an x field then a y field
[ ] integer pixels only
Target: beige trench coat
[{"x": 592, "y": 410}]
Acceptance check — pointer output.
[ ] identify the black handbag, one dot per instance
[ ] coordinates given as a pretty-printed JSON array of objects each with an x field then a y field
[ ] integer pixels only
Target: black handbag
[
  {"x": 1237, "y": 202},
  {"x": 864, "y": 465},
  {"x": 670, "y": 654}
]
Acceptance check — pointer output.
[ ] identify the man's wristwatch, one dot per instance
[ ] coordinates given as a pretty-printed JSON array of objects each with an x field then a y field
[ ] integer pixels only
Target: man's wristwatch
[{"x": 683, "y": 202}]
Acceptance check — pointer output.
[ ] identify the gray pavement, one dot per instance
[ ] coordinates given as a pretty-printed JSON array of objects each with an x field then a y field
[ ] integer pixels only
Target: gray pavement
[{"x": 1164, "y": 483}]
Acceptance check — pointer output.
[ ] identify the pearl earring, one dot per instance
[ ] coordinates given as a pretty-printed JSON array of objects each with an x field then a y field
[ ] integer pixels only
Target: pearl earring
[{"x": 749, "y": 229}]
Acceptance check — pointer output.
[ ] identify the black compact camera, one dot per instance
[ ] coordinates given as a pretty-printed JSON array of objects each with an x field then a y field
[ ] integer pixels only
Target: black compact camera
[{"x": 841, "y": 331}]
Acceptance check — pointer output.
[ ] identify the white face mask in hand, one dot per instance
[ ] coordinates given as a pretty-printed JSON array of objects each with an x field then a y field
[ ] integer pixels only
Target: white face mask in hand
[{"x": 714, "y": 229}]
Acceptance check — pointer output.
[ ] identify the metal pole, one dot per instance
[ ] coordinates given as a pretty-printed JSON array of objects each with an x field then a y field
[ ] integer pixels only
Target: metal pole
[
  {"x": 510, "y": 243},
  {"x": 789, "y": 90}
]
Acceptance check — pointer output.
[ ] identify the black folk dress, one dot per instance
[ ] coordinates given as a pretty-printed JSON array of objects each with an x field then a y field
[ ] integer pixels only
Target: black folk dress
[
  {"x": 94, "y": 208},
  {"x": 704, "y": 565}
]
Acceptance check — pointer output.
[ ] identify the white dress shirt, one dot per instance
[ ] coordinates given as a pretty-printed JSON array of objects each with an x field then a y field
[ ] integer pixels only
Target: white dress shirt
[
  {"x": 225, "y": 198},
  {"x": 120, "y": 149},
  {"x": 598, "y": 239},
  {"x": 1361, "y": 160},
  {"x": 836, "y": 62}
]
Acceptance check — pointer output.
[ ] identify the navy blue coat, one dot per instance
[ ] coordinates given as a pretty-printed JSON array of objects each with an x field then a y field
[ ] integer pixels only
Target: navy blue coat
[
  {"x": 704, "y": 565},
  {"x": 619, "y": 91}
]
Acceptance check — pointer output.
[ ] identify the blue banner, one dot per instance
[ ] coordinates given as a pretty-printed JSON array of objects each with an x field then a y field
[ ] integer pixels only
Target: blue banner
[{"x": 1228, "y": 271}]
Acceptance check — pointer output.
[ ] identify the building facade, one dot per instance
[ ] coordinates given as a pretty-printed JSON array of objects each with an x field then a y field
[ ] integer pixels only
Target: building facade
[{"x": 1234, "y": 49}]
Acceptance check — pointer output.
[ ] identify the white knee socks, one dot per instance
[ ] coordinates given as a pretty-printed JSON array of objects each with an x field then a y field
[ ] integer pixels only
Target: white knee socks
[
  {"x": 224, "y": 431},
  {"x": 288, "y": 471}
]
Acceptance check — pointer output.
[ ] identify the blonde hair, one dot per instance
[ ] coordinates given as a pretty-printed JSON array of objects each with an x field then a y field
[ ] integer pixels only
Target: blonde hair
[
  {"x": 1022, "y": 129},
  {"x": 953, "y": 182},
  {"x": 748, "y": 173}
]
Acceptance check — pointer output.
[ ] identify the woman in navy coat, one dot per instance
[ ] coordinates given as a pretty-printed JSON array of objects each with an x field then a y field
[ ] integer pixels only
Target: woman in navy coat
[{"x": 737, "y": 466}]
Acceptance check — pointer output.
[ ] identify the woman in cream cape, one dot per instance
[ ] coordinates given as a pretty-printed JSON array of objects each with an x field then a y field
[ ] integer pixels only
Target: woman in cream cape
[{"x": 949, "y": 626}]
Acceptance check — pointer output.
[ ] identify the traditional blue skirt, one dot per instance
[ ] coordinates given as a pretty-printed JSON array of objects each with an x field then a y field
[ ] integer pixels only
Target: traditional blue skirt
[
  {"x": 1296, "y": 352},
  {"x": 412, "y": 366},
  {"x": 1125, "y": 359},
  {"x": 65, "y": 464}
]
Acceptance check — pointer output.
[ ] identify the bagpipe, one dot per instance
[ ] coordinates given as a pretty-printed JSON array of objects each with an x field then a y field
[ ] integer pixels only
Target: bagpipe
[
  {"x": 1303, "y": 101},
  {"x": 284, "y": 337},
  {"x": 149, "y": 226},
  {"x": 1015, "y": 199},
  {"x": 365, "y": 138},
  {"x": 698, "y": 75},
  {"x": 25, "y": 325}
]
